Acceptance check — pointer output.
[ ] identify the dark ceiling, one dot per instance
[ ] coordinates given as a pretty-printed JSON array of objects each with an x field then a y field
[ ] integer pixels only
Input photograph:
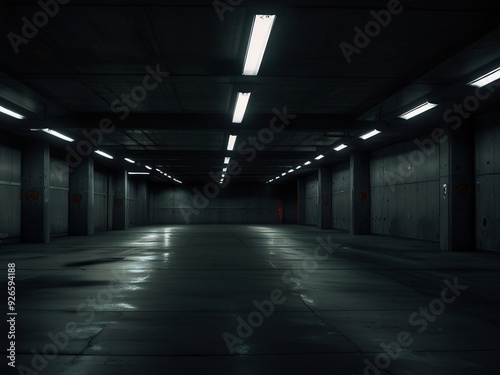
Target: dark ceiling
[{"x": 89, "y": 54}]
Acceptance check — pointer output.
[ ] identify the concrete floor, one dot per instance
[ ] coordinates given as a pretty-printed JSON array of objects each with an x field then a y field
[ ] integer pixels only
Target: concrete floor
[{"x": 164, "y": 298}]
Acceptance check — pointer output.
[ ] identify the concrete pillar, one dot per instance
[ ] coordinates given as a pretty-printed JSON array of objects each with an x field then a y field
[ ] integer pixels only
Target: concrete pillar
[
  {"x": 301, "y": 201},
  {"x": 457, "y": 189},
  {"x": 81, "y": 199},
  {"x": 325, "y": 198},
  {"x": 121, "y": 206},
  {"x": 360, "y": 193},
  {"x": 35, "y": 219},
  {"x": 142, "y": 203}
]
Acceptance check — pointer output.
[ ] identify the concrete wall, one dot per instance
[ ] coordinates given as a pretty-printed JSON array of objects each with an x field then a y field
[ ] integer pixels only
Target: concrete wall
[
  {"x": 290, "y": 204},
  {"x": 341, "y": 199},
  {"x": 10, "y": 193},
  {"x": 234, "y": 204},
  {"x": 312, "y": 200},
  {"x": 487, "y": 170},
  {"x": 405, "y": 195},
  {"x": 58, "y": 197}
]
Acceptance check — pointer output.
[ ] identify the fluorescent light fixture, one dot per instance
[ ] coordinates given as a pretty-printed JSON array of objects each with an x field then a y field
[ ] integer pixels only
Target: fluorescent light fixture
[
  {"x": 227, "y": 159},
  {"x": 418, "y": 110},
  {"x": 231, "y": 142},
  {"x": 224, "y": 169},
  {"x": 340, "y": 148},
  {"x": 283, "y": 174},
  {"x": 58, "y": 135},
  {"x": 486, "y": 79},
  {"x": 138, "y": 173},
  {"x": 373, "y": 133},
  {"x": 261, "y": 31},
  {"x": 319, "y": 157},
  {"x": 300, "y": 166},
  {"x": 307, "y": 163},
  {"x": 148, "y": 167},
  {"x": 291, "y": 171},
  {"x": 11, "y": 113},
  {"x": 157, "y": 170},
  {"x": 278, "y": 177},
  {"x": 241, "y": 107},
  {"x": 102, "y": 153},
  {"x": 130, "y": 160},
  {"x": 169, "y": 176},
  {"x": 223, "y": 176},
  {"x": 271, "y": 180}
]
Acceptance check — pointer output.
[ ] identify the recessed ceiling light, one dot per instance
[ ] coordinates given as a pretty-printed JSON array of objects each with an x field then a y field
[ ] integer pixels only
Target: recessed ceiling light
[
  {"x": 227, "y": 159},
  {"x": 300, "y": 166},
  {"x": 148, "y": 167},
  {"x": 417, "y": 110},
  {"x": 231, "y": 142},
  {"x": 11, "y": 113},
  {"x": 259, "y": 37},
  {"x": 283, "y": 174},
  {"x": 319, "y": 157},
  {"x": 241, "y": 106},
  {"x": 486, "y": 79},
  {"x": 307, "y": 163},
  {"x": 291, "y": 171},
  {"x": 102, "y": 153},
  {"x": 340, "y": 148},
  {"x": 373, "y": 133},
  {"x": 138, "y": 173},
  {"x": 58, "y": 135},
  {"x": 130, "y": 160}
]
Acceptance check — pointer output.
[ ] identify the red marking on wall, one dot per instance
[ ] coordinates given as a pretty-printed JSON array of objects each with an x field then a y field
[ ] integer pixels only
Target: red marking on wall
[
  {"x": 364, "y": 196},
  {"x": 77, "y": 198},
  {"x": 32, "y": 196}
]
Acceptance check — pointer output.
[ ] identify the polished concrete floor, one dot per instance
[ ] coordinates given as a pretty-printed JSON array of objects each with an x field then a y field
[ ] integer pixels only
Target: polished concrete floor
[{"x": 249, "y": 299}]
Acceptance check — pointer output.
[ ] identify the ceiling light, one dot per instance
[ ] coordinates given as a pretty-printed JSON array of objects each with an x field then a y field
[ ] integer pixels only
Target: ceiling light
[
  {"x": 138, "y": 173},
  {"x": 300, "y": 166},
  {"x": 130, "y": 160},
  {"x": 373, "y": 133},
  {"x": 418, "y": 110},
  {"x": 231, "y": 142},
  {"x": 241, "y": 107},
  {"x": 224, "y": 169},
  {"x": 227, "y": 159},
  {"x": 11, "y": 113},
  {"x": 261, "y": 31},
  {"x": 223, "y": 176},
  {"x": 340, "y": 148},
  {"x": 486, "y": 79},
  {"x": 319, "y": 157},
  {"x": 58, "y": 135},
  {"x": 157, "y": 170},
  {"x": 271, "y": 180},
  {"x": 103, "y": 154},
  {"x": 307, "y": 163},
  {"x": 148, "y": 167},
  {"x": 278, "y": 177},
  {"x": 291, "y": 170}
]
